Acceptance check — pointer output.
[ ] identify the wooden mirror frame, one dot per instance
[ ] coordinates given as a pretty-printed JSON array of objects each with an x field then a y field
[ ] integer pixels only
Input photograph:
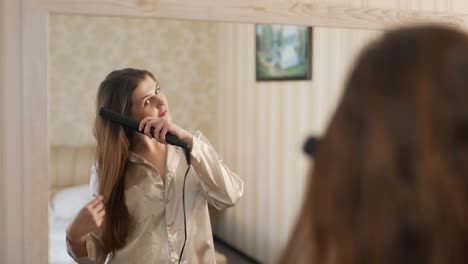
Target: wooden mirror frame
[{"x": 24, "y": 160}]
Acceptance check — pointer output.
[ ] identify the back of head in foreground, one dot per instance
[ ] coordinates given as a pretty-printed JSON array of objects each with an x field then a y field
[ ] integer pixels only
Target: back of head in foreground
[{"x": 390, "y": 181}]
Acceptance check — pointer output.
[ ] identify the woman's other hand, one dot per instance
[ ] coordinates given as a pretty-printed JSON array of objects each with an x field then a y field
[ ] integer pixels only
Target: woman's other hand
[{"x": 88, "y": 220}]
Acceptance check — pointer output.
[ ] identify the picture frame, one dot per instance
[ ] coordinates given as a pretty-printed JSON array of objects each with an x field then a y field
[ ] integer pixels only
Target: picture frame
[{"x": 283, "y": 52}]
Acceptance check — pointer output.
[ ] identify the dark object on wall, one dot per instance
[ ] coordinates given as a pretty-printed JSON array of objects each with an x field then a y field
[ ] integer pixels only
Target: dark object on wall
[{"x": 310, "y": 146}]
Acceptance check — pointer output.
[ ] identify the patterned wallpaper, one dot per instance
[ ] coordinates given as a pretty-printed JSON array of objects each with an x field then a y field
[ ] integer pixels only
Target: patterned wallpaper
[{"x": 84, "y": 49}]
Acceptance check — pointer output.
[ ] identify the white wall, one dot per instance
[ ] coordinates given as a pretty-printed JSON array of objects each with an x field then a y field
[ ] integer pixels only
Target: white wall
[
  {"x": 23, "y": 201},
  {"x": 262, "y": 127},
  {"x": 12, "y": 239},
  {"x": 2, "y": 123}
]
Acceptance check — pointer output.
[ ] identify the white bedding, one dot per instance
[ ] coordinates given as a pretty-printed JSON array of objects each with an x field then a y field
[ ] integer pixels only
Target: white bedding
[
  {"x": 64, "y": 205},
  {"x": 57, "y": 248}
]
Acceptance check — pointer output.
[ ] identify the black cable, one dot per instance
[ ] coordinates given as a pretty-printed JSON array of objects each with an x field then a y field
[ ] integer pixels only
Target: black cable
[{"x": 187, "y": 157}]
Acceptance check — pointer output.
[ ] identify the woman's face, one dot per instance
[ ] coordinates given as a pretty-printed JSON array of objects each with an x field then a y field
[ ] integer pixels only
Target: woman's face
[{"x": 148, "y": 100}]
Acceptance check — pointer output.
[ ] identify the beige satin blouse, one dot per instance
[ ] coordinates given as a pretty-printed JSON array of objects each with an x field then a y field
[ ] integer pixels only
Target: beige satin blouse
[{"x": 157, "y": 231}]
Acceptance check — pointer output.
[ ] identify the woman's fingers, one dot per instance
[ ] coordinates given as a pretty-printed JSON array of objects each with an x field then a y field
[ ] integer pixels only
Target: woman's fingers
[
  {"x": 97, "y": 216},
  {"x": 101, "y": 214},
  {"x": 94, "y": 201},
  {"x": 98, "y": 207},
  {"x": 157, "y": 130},
  {"x": 164, "y": 131},
  {"x": 146, "y": 124},
  {"x": 157, "y": 124},
  {"x": 161, "y": 128},
  {"x": 148, "y": 128},
  {"x": 143, "y": 122},
  {"x": 88, "y": 219}
]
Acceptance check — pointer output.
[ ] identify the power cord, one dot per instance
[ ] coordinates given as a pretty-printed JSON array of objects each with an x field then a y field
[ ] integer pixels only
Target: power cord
[{"x": 187, "y": 157}]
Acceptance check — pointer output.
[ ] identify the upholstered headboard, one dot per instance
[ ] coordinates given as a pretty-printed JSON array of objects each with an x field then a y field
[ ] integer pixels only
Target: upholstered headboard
[{"x": 70, "y": 165}]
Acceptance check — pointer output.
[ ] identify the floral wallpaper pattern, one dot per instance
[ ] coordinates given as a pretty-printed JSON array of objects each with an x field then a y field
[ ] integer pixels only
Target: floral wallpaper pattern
[{"x": 84, "y": 49}]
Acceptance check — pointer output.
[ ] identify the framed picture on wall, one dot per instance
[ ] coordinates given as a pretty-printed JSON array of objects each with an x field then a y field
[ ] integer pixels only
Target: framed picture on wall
[{"x": 283, "y": 52}]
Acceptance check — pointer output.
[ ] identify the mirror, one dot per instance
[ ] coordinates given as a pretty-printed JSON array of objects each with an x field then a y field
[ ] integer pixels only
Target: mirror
[{"x": 207, "y": 71}]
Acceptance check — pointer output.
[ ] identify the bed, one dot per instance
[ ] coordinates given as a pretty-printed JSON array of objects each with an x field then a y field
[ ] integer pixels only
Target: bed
[{"x": 69, "y": 191}]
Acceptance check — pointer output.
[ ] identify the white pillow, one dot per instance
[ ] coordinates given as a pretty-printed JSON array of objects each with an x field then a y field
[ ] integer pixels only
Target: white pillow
[{"x": 66, "y": 203}]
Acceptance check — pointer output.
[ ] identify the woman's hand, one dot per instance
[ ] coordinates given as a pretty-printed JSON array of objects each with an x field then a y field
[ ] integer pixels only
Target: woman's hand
[
  {"x": 88, "y": 220},
  {"x": 162, "y": 127}
]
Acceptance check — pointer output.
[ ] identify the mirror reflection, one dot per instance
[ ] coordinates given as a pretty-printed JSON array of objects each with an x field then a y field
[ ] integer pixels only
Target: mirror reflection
[{"x": 207, "y": 72}]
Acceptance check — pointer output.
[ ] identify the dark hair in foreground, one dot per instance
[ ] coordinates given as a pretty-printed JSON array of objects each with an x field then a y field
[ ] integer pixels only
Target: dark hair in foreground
[{"x": 390, "y": 181}]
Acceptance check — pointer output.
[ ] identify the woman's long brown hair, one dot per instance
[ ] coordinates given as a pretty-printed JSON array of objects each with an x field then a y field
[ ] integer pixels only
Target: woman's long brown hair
[
  {"x": 390, "y": 181},
  {"x": 112, "y": 150}
]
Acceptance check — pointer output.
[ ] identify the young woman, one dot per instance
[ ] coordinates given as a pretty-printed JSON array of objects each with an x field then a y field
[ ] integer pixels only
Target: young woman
[
  {"x": 390, "y": 177},
  {"x": 138, "y": 213}
]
